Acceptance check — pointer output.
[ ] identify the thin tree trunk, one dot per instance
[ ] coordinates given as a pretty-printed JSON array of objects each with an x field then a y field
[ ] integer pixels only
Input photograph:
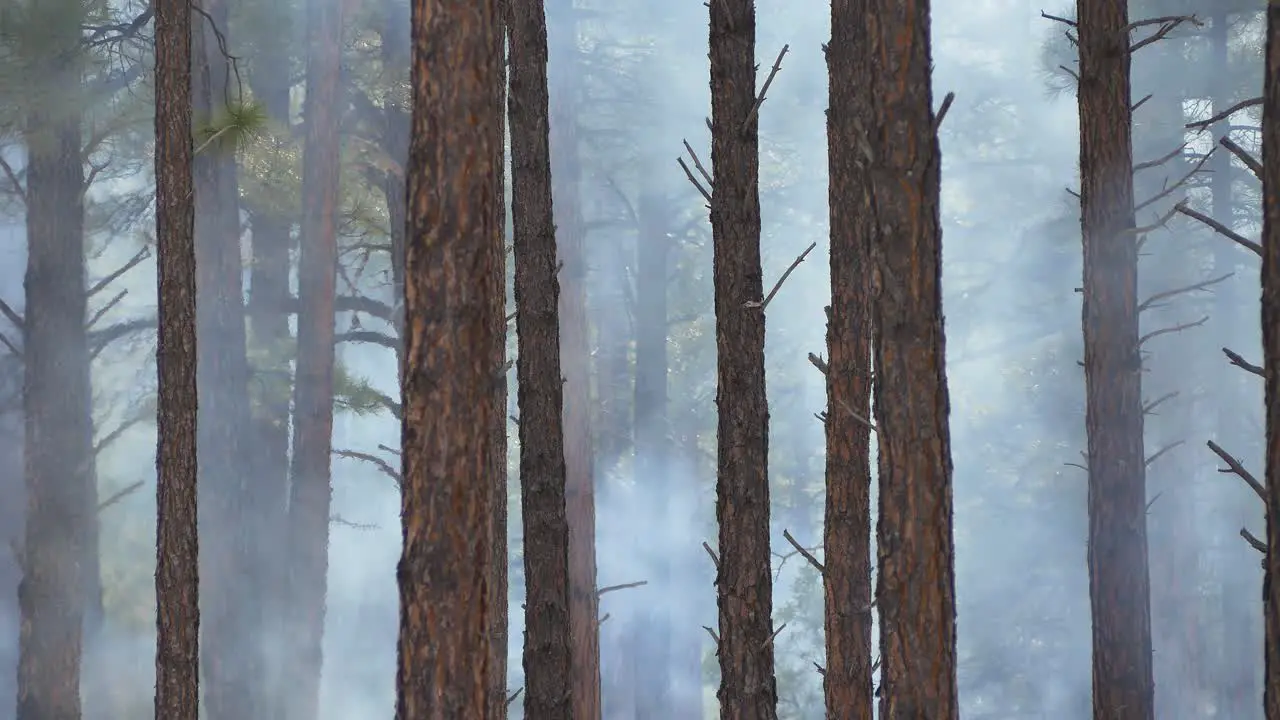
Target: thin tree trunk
[
  {"x": 58, "y": 453},
  {"x": 310, "y": 488},
  {"x": 231, "y": 645},
  {"x": 177, "y": 694},
  {"x": 744, "y": 583},
  {"x": 575, "y": 353},
  {"x": 1119, "y": 583},
  {"x": 915, "y": 585},
  {"x": 548, "y": 646},
  {"x": 847, "y": 682},
  {"x": 453, "y": 305},
  {"x": 1271, "y": 350}
]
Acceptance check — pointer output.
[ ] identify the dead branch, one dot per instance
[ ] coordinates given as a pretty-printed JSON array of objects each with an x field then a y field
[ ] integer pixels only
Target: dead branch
[
  {"x": 604, "y": 618},
  {"x": 697, "y": 162},
  {"x": 391, "y": 450},
  {"x": 1253, "y": 541},
  {"x": 368, "y": 336},
  {"x": 119, "y": 495},
  {"x": 1070, "y": 72},
  {"x": 786, "y": 534},
  {"x": 1167, "y": 24},
  {"x": 1149, "y": 407},
  {"x": 382, "y": 465},
  {"x": 623, "y": 586},
  {"x": 1160, "y": 452},
  {"x": 1157, "y": 299},
  {"x": 1242, "y": 105},
  {"x": 1134, "y": 107},
  {"x": 1161, "y": 160},
  {"x": 1243, "y": 364},
  {"x": 97, "y": 287},
  {"x": 818, "y": 363},
  {"x": 1170, "y": 189},
  {"x": 1249, "y": 161},
  {"x": 689, "y": 174},
  {"x": 1234, "y": 466},
  {"x": 1173, "y": 329},
  {"x": 114, "y": 435},
  {"x": 713, "y": 634},
  {"x": 1142, "y": 232},
  {"x": 93, "y": 320},
  {"x": 512, "y": 698},
  {"x": 1076, "y": 465},
  {"x": 13, "y": 178},
  {"x": 715, "y": 560},
  {"x": 778, "y": 285},
  {"x": 12, "y": 316},
  {"x": 1151, "y": 502},
  {"x": 99, "y": 340},
  {"x": 1055, "y": 18},
  {"x": 1219, "y": 228},
  {"x": 771, "y": 638},
  {"x": 942, "y": 111},
  {"x": 339, "y": 520},
  {"x": 9, "y": 344},
  {"x": 755, "y": 108}
]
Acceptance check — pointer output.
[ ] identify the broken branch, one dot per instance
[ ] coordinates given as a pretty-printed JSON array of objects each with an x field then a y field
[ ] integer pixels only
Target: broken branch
[
  {"x": 1243, "y": 364},
  {"x": 1234, "y": 466},
  {"x": 715, "y": 560}
]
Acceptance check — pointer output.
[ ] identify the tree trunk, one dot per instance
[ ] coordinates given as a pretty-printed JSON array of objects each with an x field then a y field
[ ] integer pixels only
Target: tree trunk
[
  {"x": 1119, "y": 583},
  {"x": 847, "y": 682},
  {"x": 915, "y": 586},
  {"x": 543, "y": 459},
  {"x": 744, "y": 583},
  {"x": 177, "y": 694},
  {"x": 453, "y": 305},
  {"x": 58, "y": 453},
  {"x": 310, "y": 487},
  {"x": 575, "y": 352},
  {"x": 231, "y": 645},
  {"x": 1271, "y": 350}
]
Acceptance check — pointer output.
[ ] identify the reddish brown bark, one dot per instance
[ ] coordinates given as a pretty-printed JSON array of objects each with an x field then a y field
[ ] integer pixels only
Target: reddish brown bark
[
  {"x": 1271, "y": 350},
  {"x": 177, "y": 693},
  {"x": 453, "y": 304},
  {"x": 1119, "y": 581},
  {"x": 847, "y": 681},
  {"x": 311, "y": 487},
  {"x": 744, "y": 584},
  {"x": 916, "y": 579}
]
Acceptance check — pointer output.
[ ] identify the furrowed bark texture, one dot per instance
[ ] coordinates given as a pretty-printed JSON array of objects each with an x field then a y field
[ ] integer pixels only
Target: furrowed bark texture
[
  {"x": 58, "y": 453},
  {"x": 177, "y": 694},
  {"x": 916, "y": 579},
  {"x": 547, "y": 646},
  {"x": 744, "y": 584},
  {"x": 564, "y": 84},
  {"x": 310, "y": 489},
  {"x": 1119, "y": 583},
  {"x": 847, "y": 683},
  {"x": 453, "y": 292},
  {"x": 1271, "y": 349}
]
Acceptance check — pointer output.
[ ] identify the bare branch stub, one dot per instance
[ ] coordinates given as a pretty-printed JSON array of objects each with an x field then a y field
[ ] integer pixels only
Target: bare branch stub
[
  {"x": 1243, "y": 364},
  {"x": 714, "y": 559},
  {"x": 1055, "y": 18},
  {"x": 1253, "y": 541},
  {"x": 1134, "y": 107},
  {"x": 786, "y": 534},
  {"x": 818, "y": 363},
  {"x": 773, "y": 72},
  {"x": 1219, "y": 228},
  {"x": 1234, "y": 466},
  {"x": 942, "y": 111},
  {"x": 713, "y": 635},
  {"x": 775, "y": 634}
]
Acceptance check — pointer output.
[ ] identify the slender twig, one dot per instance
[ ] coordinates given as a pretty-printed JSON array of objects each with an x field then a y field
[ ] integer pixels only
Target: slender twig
[
  {"x": 623, "y": 586},
  {"x": 1155, "y": 300},
  {"x": 1172, "y": 329},
  {"x": 778, "y": 285},
  {"x": 1161, "y": 451},
  {"x": 755, "y": 108},
  {"x": 1160, "y": 161}
]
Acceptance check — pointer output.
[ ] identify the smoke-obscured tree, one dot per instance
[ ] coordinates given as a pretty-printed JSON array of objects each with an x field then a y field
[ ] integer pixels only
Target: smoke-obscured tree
[
  {"x": 1271, "y": 352},
  {"x": 744, "y": 585},
  {"x": 453, "y": 307},
  {"x": 847, "y": 679},
  {"x": 177, "y": 684},
  {"x": 915, "y": 584}
]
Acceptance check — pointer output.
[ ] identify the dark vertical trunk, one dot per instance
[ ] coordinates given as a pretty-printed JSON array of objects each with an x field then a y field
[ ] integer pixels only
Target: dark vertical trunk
[
  {"x": 231, "y": 649},
  {"x": 744, "y": 583},
  {"x": 498, "y": 586},
  {"x": 1271, "y": 351},
  {"x": 310, "y": 487},
  {"x": 58, "y": 453},
  {"x": 549, "y": 681},
  {"x": 177, "y": 693},
  {"x": 575, "y": 353},
  {"x": 847, "y": 682},
  {"x": 915, "y": 585},
  {"x": 1119, "y": 584},
  {"x": 661, "y": 697},
  {"x": 453, "y": 304}
]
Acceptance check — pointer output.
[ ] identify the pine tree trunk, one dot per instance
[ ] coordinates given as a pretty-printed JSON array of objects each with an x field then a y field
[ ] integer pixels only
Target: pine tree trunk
[
  {"x": 58, "y": 453},
  {"x": 232, "y": 664},
  {"x": 548, "y": 645},
  {"x": 847, "y": 682},
  {"x": 1119, "y": 583},
  {"x": 1271, "y": 351},
  {"x": 177, "y": 694},
  {"x": 310, "y": 485},
  {"x": 453, "y": 305},
  {"x": 744, "y": 584}
]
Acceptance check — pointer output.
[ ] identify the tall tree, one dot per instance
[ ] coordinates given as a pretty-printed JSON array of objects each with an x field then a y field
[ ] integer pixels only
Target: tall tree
[
  {"x": 177, "y": 693},
  {"x": 915, "y": 586},
  {"x": 1119, "y": 583},
  {"x": 1271, "y": 352},
  {"x": 453, "y": 305},
  {"x": 310, "y": 487},
  {"x": 547, "y": 648},
  {"x": 846, "y": 572},
  {"x": 744, "y": 584},
  {"x": 58, "y": 452}
]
